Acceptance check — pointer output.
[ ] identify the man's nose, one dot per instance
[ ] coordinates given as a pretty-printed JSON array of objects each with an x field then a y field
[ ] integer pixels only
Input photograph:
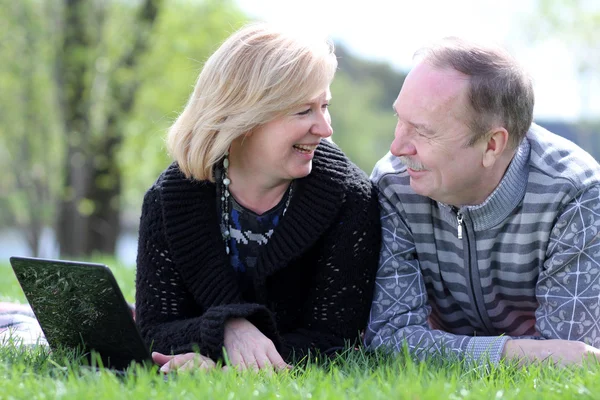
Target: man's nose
[{"x": 401, "y": 145}]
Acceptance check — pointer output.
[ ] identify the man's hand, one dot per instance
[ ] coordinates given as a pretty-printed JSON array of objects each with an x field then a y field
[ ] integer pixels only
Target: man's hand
[
  {"x": 182, "y": 362},
  {"x": 248, "y": 348},
  {"x": 558, "y": 351}
]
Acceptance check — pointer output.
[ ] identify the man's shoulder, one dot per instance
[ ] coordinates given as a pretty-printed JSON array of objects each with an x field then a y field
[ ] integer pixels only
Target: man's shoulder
[
  {"x": 560, "y": 158},
  {"x": 389, "y": 167},
  {"x": 393, "y": 182}
]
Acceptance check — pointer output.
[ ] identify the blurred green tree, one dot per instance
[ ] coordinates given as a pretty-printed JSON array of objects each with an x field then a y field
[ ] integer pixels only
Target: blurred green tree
[
  {"x": 577, "y": 24},
  {"x": 361, "y": 107},
  {"x": 73, "y": 74},
  {"x": 89, "y": 89},
  {"x": 31, "y": 144},
  {"x": 97, "y": 81}
]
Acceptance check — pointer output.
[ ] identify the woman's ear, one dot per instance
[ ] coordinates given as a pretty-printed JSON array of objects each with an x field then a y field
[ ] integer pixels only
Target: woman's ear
[{"x": 250, "y": 132}]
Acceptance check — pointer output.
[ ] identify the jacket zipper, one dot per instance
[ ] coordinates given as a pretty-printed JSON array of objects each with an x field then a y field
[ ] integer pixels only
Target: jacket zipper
[{"x": 467, "y": 249}]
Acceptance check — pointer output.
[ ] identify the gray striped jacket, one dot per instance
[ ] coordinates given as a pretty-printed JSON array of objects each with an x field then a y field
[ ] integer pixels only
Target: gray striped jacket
[{"x": 528, "y": 263}]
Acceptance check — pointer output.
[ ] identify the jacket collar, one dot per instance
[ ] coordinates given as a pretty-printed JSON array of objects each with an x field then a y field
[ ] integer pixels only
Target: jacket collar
[{"x": 504, "y": 199}]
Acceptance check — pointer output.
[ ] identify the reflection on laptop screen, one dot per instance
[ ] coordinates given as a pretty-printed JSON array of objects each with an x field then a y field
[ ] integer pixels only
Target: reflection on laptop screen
[{"x": 80, "y": 306}]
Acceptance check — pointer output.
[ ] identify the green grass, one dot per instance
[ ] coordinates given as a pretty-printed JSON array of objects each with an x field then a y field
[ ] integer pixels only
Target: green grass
[{"x": 33, "y": 373}]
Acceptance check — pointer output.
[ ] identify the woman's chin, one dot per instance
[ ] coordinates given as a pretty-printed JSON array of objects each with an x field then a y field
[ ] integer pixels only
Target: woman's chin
[{"x": 301, "y": 171}]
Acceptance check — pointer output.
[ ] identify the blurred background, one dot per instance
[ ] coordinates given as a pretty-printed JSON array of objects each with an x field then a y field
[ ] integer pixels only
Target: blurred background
[{"x": 89, "y": 87}]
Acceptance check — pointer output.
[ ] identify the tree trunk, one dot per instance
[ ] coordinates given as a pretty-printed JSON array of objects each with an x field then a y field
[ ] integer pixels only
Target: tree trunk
[
  {"x": 105, "y": 227},
  {"x": 73, "y": 66},
  {"x": 105, "y": 220},
  {"x": 89, "y": 213}
]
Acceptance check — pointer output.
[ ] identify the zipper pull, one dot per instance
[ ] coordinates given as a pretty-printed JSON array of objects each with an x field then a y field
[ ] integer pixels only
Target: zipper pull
[{"x": 459, "y": 219}]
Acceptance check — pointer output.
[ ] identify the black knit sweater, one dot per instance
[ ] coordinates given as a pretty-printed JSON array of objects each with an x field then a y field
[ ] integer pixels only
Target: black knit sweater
[{"x": 314, "y": 279}]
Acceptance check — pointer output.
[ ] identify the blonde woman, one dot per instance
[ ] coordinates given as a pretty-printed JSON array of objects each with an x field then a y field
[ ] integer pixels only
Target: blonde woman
[{"x": 261, "y": 240}]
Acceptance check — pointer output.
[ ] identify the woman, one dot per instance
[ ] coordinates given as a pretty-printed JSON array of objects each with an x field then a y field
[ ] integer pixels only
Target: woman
[{"x": 261, "y": 239}]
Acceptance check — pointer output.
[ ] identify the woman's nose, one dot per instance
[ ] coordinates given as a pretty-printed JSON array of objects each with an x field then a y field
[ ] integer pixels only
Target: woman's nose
[{"x": 322, "y": 126}]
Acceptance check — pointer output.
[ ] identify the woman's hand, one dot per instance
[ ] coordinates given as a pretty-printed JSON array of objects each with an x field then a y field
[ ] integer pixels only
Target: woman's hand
[
  {"x": 182, "y": 362},
  {"x": 248, "y": 348}
]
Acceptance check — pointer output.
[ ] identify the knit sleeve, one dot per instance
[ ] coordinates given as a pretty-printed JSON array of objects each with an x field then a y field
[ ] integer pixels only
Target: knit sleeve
[
  {"x": 400, "y": 310},
  {"x": 169, "y": 319},
  {"x": 568, "y": 288},
  {"x": 337, "y": 308}
]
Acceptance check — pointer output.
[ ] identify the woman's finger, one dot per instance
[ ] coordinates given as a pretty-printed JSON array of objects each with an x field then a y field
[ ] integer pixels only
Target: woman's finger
[
  {"x": 161, "y": 359},
  {"x": 197, "y": 363},
  {"x": 236, "y": 359},
  {"x": 250, "y": 360},
  {"x": 276, "y": 360},
  {"x": 190, "y": 359},
  {"x": 263, "y": 362}
]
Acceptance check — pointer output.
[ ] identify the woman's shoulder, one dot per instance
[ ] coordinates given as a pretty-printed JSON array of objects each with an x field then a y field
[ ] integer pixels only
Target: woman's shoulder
[
  {"x": 172, "y": 177},
  {"x": 173, "y": 184},
  {"x": 172, "y": 172}
]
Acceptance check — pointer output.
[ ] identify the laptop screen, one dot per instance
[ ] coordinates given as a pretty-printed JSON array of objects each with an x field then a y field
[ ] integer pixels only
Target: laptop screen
[{"x": 80, "y": 306}]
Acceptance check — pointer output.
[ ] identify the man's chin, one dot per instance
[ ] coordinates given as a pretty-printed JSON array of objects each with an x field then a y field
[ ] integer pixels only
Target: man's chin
[{"x": 418, "y": 188}]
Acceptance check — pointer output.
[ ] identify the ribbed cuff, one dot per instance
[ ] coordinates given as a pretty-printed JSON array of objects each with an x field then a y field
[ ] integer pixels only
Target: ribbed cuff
[{"x": 485, "y": 349}]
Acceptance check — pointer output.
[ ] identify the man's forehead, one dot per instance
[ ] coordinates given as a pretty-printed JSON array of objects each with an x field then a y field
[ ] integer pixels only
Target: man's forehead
[
  {"x": 444, "y": 83},
  {"x": 431, "y": 88}
]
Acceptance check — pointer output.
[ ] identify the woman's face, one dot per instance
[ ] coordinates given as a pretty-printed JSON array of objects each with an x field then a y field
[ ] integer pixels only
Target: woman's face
[{"x": 283, "y": 148}]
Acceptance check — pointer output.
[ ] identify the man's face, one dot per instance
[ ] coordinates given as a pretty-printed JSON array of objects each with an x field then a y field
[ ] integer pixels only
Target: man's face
[{"x": 432, "y": 134}]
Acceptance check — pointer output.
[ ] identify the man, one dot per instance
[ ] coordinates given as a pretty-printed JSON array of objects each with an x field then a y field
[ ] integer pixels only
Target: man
[{"x": 490, "y": 223}]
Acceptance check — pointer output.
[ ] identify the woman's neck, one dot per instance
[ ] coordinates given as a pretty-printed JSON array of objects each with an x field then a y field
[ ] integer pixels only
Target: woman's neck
[{"x": 253, "y": 189}]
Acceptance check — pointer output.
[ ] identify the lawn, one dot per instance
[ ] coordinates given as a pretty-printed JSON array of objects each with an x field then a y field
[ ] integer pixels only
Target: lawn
[{"x": 34, "y": 374}]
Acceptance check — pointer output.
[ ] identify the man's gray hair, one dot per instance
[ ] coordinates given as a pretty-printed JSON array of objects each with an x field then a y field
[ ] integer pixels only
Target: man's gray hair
[{"x": 500, "y": 90}]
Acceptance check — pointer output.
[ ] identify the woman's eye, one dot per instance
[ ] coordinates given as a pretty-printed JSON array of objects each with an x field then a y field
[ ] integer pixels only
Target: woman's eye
[
  {"x": 325, "y": 106},
  {"x": 305, "y": 112}
]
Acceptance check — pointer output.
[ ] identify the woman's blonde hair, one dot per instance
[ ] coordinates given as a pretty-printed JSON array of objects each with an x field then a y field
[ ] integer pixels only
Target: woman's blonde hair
[{"x": 258, "y": 74}]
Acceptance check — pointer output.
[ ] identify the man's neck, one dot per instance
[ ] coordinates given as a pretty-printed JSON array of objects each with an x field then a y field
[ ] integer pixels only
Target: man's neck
[{"x": 492, "y": 179}]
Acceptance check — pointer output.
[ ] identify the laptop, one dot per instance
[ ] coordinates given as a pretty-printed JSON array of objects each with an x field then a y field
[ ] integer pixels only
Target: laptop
[{"x": 80, "y": 307}]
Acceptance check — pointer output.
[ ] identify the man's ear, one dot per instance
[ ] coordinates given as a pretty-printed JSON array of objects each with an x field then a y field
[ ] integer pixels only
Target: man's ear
[{"x": 495, "y": 145}]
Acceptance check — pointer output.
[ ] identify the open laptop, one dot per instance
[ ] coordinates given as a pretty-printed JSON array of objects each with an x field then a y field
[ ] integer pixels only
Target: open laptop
[{"x": 80, "y": 307}]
